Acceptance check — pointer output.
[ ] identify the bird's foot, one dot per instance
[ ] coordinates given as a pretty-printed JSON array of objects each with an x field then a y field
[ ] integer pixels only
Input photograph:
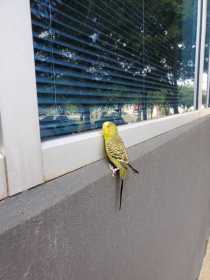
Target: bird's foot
[{"x": 114, "y": 170}]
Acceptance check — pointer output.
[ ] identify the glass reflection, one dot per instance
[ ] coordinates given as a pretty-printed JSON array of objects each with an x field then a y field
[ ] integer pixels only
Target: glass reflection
[{"x": 118, "y": 60}]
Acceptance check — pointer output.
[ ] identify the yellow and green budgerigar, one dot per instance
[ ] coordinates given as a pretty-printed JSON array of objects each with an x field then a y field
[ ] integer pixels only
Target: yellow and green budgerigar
[{"x": 116, "y": 153}]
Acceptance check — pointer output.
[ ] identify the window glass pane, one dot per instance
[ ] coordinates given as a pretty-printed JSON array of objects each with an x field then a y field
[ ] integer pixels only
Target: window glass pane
[
  {"x": 119, "y": 60},
  {"x": 206, "y": 60}
]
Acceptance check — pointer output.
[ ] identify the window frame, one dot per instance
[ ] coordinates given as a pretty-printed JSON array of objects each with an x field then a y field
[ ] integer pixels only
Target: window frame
[
  {"x": 19, "y": 116},
  {"x": 25, "y": 160},
  {"x": 3, "y": 180},
  {"x": 200, "y": 51}
]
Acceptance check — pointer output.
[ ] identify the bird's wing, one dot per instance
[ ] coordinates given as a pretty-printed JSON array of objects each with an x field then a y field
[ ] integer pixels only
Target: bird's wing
[{"x": 116, "y": 149}]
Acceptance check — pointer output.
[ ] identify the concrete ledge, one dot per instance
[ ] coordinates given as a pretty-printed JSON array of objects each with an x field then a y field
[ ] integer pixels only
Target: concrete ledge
[{"x": 70, "y": 228}]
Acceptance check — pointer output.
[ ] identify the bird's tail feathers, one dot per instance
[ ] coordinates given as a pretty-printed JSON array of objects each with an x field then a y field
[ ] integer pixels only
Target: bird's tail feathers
[
  {"x": 133, "y": 169},
  {"x": 121, "y": 192}
]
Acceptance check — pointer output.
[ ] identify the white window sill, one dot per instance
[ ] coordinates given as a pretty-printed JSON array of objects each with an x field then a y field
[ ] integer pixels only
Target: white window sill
[{"x": 64, "y": 155}]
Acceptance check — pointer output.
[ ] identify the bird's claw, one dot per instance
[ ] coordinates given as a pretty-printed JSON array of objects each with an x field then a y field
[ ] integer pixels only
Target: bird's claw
[{"x": 114, "y": 170}]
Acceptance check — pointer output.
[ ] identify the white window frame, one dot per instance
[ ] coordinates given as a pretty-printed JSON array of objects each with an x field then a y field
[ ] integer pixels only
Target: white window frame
[
  {"x": 3, "y": 180},
  {"x": 200, "y": 52},
  {"x": 18, "y": 98},
  {"x": 27, "y": 161}
]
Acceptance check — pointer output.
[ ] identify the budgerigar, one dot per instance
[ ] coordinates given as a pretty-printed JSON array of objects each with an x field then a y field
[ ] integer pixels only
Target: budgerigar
[{"x": 116, "y": 153}]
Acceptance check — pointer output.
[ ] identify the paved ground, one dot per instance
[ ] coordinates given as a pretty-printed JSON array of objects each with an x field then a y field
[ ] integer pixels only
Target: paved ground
[{"x": 205, "y": 271}]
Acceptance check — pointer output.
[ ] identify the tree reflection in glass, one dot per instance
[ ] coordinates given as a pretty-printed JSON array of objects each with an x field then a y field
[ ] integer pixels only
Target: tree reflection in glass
[{"x": 119, "y": 60}]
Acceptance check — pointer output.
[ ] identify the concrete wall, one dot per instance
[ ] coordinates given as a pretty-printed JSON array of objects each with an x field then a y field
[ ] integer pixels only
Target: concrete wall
[{"x": 71, "y": 229}]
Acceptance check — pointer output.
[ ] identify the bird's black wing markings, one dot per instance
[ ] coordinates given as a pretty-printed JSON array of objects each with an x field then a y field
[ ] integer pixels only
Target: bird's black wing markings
[{"x": 117, "y": 149}]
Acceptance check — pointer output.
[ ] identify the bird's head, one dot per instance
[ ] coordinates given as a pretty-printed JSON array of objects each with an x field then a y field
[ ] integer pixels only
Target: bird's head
[{"x": 109, "y": 129}]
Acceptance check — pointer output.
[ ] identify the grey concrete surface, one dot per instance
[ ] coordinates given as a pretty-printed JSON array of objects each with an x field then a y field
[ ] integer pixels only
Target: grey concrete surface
[{"x": 71, "y": 229}]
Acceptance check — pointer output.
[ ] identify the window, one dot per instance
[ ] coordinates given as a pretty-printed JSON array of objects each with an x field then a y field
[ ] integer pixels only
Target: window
[
  {"x": 118, "y": 60},
  {"x": 124, "y": 61}
]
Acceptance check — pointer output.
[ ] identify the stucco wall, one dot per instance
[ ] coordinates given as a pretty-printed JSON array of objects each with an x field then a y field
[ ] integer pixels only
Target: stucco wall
[{"x": 71, "y": 229}]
